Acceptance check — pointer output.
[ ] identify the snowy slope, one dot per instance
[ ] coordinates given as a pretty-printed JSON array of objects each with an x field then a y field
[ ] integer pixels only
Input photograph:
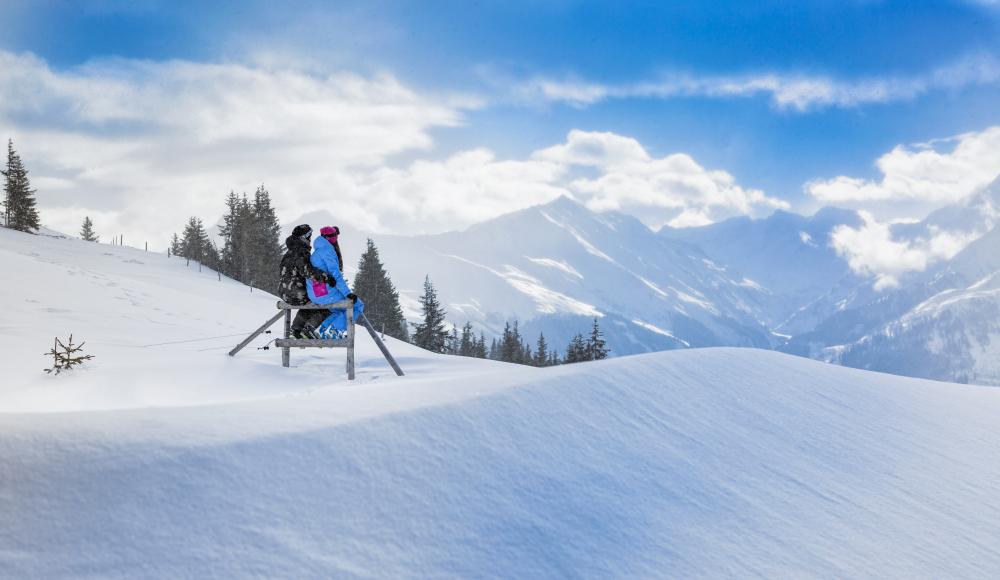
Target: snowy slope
[
  {"x": 555, "y": 267},
  {"x": 157, "y": 326},
  {"x": 693, "y": 463}
]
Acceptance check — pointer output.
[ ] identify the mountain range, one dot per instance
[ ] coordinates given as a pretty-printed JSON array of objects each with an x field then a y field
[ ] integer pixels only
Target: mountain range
[{"x": 774, "y": 283}]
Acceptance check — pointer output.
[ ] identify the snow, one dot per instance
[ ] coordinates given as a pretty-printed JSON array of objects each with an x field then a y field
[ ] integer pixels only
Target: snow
[
  {"x": 590, "y": 248},
  {"x": 176, "y": 460},
  {"x": 658, "y": 330},
  {"x": 560, "y": 265},
  {"x": 692, "y": 300},
  {"x": 547, "y": 301}
]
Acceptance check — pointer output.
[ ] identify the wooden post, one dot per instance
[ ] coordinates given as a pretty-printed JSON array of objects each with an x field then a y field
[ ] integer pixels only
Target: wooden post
[
  {"x": 286, "y": 353},
  {"x": 381, "y": 345},
  {"x": 256, "y": 333},
  {"x": 350, "y": 342}
]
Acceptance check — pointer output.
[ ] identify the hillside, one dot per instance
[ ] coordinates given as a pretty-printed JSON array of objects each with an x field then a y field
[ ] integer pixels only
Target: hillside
[{"x": 177, "y": 461}]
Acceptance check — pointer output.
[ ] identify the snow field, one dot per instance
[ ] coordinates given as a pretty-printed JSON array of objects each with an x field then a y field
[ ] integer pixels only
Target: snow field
[{"x": 694, "y": 463}]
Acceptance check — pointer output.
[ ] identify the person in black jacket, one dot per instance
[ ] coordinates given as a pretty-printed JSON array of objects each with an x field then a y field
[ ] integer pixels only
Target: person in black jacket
[{"x": 295, "y": 270}]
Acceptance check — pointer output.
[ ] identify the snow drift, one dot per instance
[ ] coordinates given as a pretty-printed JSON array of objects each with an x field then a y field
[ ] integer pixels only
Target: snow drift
[{"x": 705, "y": 463}]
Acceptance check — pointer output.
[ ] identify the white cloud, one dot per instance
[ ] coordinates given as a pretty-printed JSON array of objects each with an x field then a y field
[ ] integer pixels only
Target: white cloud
[
  {"x": 468, "y": 187},
  {"x": 921, "y": 175},
  {"x": 872, "y": 250},
  {"x": 798, "y": 92},
  {"x": 154, "y": 142},
  {"x": 672, "y": 190},
  {"x": 140, "y": 146}
]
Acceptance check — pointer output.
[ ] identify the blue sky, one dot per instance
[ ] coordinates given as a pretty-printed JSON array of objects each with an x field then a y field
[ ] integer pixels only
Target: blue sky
[{"x": 777, "y": 95}]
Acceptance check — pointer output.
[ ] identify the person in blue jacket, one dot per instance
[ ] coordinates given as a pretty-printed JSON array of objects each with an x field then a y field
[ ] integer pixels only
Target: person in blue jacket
[{"x": 326, "y": 256}]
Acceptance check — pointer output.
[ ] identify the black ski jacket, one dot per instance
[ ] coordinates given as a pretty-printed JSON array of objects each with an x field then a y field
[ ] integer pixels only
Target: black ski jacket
[{"x": 295, "y": 268}]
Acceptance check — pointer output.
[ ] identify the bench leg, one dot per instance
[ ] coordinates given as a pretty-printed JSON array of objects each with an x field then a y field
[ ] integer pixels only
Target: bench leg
[
  {"x": 286, "y": 352},
  {"x": 350, "y": 344}
]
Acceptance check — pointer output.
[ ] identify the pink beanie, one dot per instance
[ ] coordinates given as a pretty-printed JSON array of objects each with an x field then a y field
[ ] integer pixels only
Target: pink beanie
[{"x": 329, "y": 231}]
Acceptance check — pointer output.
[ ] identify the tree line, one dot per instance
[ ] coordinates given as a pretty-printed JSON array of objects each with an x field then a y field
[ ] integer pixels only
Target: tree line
[{"x": 431, "y": 334}]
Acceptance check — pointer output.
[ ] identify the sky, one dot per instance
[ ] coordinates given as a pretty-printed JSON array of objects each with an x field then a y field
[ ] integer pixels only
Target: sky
[{"x": 421, "y": 117}]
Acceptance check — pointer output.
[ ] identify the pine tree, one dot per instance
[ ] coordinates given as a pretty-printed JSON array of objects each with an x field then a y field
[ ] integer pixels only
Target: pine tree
[
  {"x": 175, "y": 245},
  {"x": 596, "y": 349},
  {"x": 373, "y": 285},
  {"x": 19, "y": 199},
  {"x": 494, "y": 353},
  {"x": 87, "y": 233},
  {"x": 467, "y": 342},
  {"x": 541, "y": 358},
  {"x": 480, "y": 348},
  {"x": 576, "y": 351},
  {"x": 235, "y": 233},
  {"x": 430, "y": 334},
  {"x": 195, "y": 245},
  {"x": 265, "y": 243}
]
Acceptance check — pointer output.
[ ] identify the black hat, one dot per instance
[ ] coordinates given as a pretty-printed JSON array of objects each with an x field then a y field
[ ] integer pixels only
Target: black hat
[{"x": 301, "y": 231}]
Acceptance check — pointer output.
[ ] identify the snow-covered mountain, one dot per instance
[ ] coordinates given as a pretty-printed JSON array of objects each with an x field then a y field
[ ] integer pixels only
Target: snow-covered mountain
[
  {"x": 165, "y": 458},
  {"x": 953, "y": 330},
  {"x": 788, "y": 254},
  {"x": 893, "y": 330},
  {"x": 775, "y": 282},
  {"x": 555, "y": 267}
]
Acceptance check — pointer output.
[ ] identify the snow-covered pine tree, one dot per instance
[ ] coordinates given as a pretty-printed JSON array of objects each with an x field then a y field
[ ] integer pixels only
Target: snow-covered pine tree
[
  {"x": 541, "y": 358},
  {"x": 373, "y": 285},
  {"x": 87, "y": 232},
  {"x": 430, "y": 333},
  {"x": 494, "y": 353},
  {"x": 596, "y": 347},
  {"x": 265, "y": 243},
  {"x": 19, "y": 199}
]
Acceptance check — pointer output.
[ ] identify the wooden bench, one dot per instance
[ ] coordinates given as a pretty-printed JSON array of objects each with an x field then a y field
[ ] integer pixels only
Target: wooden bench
[{"x": 287, "y": 343}]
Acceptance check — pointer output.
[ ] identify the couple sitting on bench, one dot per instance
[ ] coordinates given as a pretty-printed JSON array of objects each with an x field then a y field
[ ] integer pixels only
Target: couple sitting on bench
[{"x": 316, "y": 277}]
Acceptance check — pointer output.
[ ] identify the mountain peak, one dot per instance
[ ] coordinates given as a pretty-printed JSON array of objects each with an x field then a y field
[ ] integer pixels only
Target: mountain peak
[{"x": 564, "y": 202}]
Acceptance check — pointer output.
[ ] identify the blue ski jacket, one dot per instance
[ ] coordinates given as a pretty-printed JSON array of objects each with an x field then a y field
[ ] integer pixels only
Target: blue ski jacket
[{"x": 324, "y": 257}]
